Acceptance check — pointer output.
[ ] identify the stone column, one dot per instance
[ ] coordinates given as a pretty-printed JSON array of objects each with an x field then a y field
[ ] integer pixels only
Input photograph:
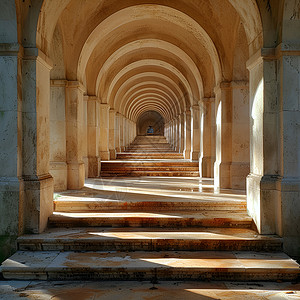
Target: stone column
[
  {"x": 182, "y": 135},
  {"x": 222, "y": 166},
  {"x": 85, "y": 137},
  {"x": 289, "y": 70},
  {"x": 134, "y": 130},
  {"x": 93, "y": 136},
  {"x": 178, "y": 121},
  {"x": 273, "y": 185},
  {"x": 178, "y": 137},
  {"x": 263, "y": 182},
  {"x": 206, "y": 159},
  {"x": 121, "y": 119},
  {"x": 11, "y": 182},
  {"x": 166, "y": 131},
  {"x": 117, "y": 132},
  {"x": 104, "y": 132},
  {"x": 112, "y": 148},
  {"x": 127, "y": 129},
  {"x": 58, "y": 158},
  {"x": 187, "y": 134},
  {"x": 174, "y": 141},
  {"x": 74, "y": 133},
  {"x": 240, "y": 166},
  {"x": 195, "y": 134},
  {"x": 38, "y": 182}
]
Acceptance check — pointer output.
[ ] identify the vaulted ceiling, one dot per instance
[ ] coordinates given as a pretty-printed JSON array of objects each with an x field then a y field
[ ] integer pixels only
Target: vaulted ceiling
[{"x": 155, "y": 55}]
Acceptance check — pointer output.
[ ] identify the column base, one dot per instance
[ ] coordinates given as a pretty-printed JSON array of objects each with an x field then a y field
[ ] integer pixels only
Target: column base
[
  {"x": 11, "y": 206},
  {"x": 239, "y": 172},
  {"x": 195, "y": 155},
  {"x": 263, "y": 202},
  {"x": 112, "y": 153},
  {"x": 290, "y": 220},
  {"x": 206, "y": 166},
  {"x": 59, "y": 172},
  {"x": 187, "y": 154},
  {"x": 76, "y": 176},
  {"x": 94, "y": 166},
  {"x": 118, "y": 150},
  {"x": 222, "y": 177},
  {"x": 104, "y": 155},
  {"x": 38, "y": 202},
  {"x": 123, "y": 148},
  {"x": 85, "y": 160}
]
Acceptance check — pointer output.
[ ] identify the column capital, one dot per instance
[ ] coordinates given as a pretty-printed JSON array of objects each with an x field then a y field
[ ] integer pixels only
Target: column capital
[
  {"x": 104, "y": 106},
  {"x": 195, "y": 107},
  {"x": 206, "y": 100},
  {"x": 58, "y": 83},
  {"x": 188, "y": 112},
  {"x": 93, "y": 98},
  {"x": 10, "y": 49},
  {"x": 38, "y": 55},
  {"x": 75, "y": 84}
]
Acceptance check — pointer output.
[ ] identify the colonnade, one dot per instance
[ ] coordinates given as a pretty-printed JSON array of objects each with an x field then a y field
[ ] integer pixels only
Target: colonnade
[
  {"x": 216, "y": 132},
  {"x": 83, "y": 134}
]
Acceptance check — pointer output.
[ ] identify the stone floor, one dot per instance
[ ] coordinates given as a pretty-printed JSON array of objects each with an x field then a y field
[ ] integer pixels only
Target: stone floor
[
  {"x": 162, "y": 193},
  {"x": 74, "y": 290}
]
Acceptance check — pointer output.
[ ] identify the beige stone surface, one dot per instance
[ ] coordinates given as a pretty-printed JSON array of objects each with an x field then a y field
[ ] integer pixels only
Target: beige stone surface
[{"x": 144, "y": 290}]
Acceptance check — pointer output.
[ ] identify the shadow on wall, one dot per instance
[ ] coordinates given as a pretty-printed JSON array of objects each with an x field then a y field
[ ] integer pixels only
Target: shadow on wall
[{"x": 150, "y": 118}]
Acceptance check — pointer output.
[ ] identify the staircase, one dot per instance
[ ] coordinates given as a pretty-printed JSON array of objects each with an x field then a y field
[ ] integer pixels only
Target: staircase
[
  {"x": 147, "y": 229},
  {"x": 149, "y": 156}
]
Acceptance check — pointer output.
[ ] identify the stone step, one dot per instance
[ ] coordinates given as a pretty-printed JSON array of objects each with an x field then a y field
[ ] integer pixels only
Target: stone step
[
  {"x": 158, "y": 163},
  {"x": 149, "y": 173},
  {"x": 151, "y": 144},
  {"x": 147, "y": 150},
  {"x": 153, "y": 266},
  {"x": 123, "y": 155},
  {"x": 146, "y": 239},
  {"x": 141, "y": 167},
  {"x": 114, "y": 168},
  {"x": 133, "y": 201},
  {"x": 170, "y": 219}
]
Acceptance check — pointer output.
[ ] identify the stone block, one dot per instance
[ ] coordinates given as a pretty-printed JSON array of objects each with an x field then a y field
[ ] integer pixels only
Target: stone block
[{"x": 58, "y": 171}]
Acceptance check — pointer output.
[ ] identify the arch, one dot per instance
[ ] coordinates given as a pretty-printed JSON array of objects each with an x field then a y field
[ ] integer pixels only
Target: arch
[
  {"x": 150, "y": 85},
  {"x": 156, "y": 13},
  {"x": 152, "y": 66},
  {"x": 149, "y": 45},
  {"x": 149, "y": 76}
]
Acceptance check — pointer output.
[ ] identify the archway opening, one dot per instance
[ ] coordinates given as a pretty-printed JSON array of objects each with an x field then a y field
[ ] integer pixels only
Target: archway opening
[{"x": 153, "y": 119}]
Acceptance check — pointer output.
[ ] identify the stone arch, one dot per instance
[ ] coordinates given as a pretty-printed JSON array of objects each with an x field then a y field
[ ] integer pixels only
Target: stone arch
[{"x": 152, "y": 118}]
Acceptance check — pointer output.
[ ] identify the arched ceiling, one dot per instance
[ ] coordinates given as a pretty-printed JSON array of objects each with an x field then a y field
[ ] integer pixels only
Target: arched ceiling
[{"x": 139, "y": 55}]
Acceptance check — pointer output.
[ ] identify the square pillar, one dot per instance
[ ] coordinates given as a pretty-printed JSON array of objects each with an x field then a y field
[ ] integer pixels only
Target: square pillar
[
  {"x": 104, "y": 132},
  {"x": 117, "y": 132},
  {"x": 222, "y": 166},
  {"x": 85, "y": 158},
  {"x": 187, "y": 134},
  {"x": 181, "y": 132},
  {"x": 74, "y": 130},
  {"x": 38, "y": 183},
  {"x": 264, "y": 180},
  {"x": 289, "y": 70},
  {"x": 12, "y": 196},
  {"x": 195, "y": 132},
  {"x": 112, "y": 148},
  {"x": 207, "y": 149},
  {"x": 121, "y": 129},
  {"x": 93, "y": 136},
  {"x": 58, "y": 158}
]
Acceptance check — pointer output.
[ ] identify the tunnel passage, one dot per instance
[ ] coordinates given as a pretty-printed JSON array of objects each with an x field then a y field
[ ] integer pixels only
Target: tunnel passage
[{"x": 150, "y": 118}]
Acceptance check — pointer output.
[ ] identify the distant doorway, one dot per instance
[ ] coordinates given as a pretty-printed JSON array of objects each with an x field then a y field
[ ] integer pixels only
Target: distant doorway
[{"x": 151, "y": 119}]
